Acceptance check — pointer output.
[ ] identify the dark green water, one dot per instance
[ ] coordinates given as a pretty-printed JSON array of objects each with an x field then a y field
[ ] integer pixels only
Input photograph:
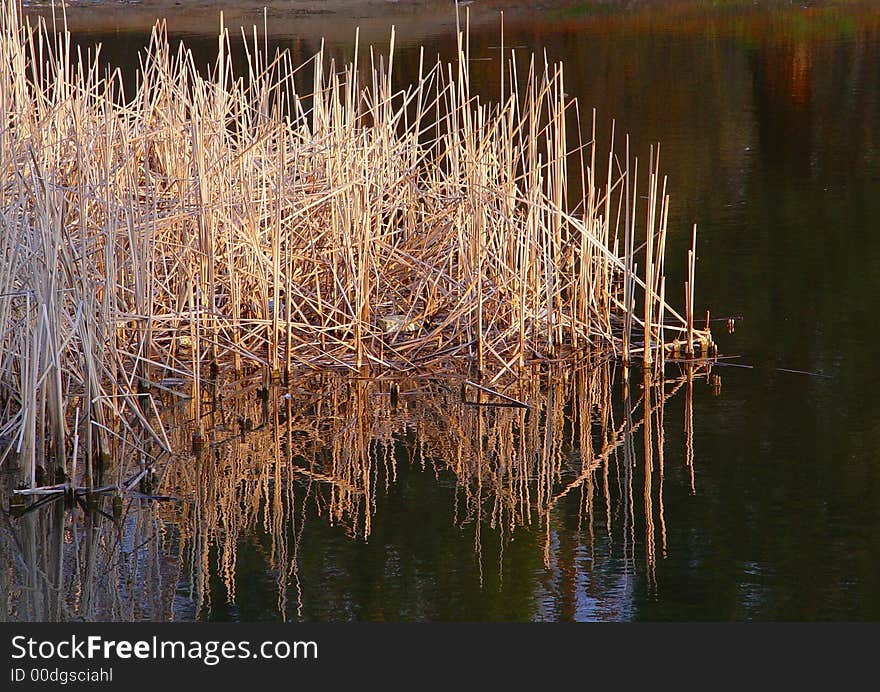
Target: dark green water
[{"x": 769, "y": 127}]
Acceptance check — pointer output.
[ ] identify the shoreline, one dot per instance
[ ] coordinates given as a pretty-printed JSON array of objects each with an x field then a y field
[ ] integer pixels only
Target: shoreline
[
  {"x": 414, "y": 20},
  {"x": 333, "y": 19}
]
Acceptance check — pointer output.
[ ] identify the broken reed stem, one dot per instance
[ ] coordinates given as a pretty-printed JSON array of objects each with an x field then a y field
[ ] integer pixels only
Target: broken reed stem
[{"x": 254, "y": 221}]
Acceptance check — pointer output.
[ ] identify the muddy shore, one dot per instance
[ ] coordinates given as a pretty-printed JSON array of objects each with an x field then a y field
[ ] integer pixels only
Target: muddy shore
[{"x": 335, "y": 20}]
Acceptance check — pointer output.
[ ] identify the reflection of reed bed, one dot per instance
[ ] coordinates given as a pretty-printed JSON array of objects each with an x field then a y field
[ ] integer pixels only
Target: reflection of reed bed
[
  {"x": 328, "y": 449},
  {"x": 334, "y": 453},
  {"x": 193, "y": 223},
  {"x": 100, "y": 565}
]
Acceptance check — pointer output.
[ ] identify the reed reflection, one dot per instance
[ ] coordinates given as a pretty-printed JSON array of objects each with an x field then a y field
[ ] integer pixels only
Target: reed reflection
[
  {"x": 64, "y": 564},
  {"x": 558, "y": 447}
]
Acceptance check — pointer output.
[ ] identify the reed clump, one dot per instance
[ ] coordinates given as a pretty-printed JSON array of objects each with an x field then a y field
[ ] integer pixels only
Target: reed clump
[{"x": 204, "y": 222}]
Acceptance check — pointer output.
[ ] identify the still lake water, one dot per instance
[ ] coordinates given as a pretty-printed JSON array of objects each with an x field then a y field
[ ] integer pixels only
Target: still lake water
[{"x": 765, "y": 503}]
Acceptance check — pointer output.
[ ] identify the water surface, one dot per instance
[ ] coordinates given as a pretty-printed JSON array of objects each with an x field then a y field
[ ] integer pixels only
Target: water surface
[{"x": 767, "y": 504}]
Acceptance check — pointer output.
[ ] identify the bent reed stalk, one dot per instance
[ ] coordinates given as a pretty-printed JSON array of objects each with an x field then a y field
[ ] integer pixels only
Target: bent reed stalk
[{"x": 206, "y": 222}]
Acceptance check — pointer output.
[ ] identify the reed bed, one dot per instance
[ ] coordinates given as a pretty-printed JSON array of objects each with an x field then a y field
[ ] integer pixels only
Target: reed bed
[{"x": 196, "y": 224}]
